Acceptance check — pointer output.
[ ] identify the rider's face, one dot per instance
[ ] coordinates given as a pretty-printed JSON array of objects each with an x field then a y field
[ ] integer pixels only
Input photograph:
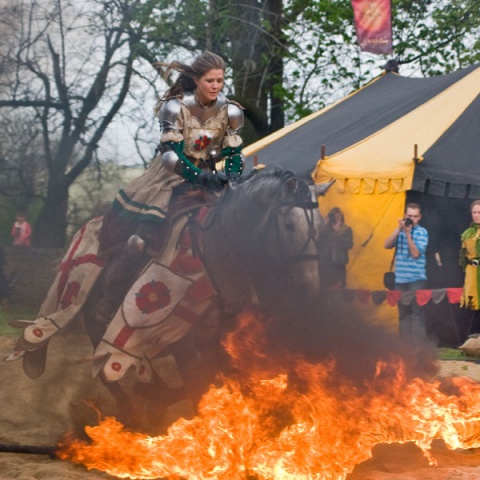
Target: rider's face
[{"x": 209, "y": 85}]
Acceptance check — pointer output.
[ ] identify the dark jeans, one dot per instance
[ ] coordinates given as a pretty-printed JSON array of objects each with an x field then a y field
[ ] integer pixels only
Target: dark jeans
[{"x": 411, "y": 317}]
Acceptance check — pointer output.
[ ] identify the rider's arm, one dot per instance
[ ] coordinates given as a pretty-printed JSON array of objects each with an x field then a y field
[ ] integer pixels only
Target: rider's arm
[
  {"x": 233, "y": 161},
  {"x": 172, "y": 142}
]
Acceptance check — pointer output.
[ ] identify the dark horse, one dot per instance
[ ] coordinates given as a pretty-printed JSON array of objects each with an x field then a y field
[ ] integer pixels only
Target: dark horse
[{"x": 259, "y": 244}]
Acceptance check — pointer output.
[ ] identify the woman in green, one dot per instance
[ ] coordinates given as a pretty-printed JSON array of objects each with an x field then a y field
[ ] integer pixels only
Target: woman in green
[{"x": 470, "y": 260}]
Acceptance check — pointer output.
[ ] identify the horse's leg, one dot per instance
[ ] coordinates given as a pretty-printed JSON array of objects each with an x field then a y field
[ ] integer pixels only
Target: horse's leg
[
  {"x": 208, "y": 338},
  {"x": 95, "y": 330},
  {"x": 158, "y": 396},
  {"x": 190, "y": 368},
  {"x": 200, "y": 356},
  {"x": 128, "y": 413},
  {"x": 196, "y": 370}
]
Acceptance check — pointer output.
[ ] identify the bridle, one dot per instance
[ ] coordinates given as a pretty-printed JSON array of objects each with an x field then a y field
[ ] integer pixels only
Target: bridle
[{"x": 309, "y": 210}]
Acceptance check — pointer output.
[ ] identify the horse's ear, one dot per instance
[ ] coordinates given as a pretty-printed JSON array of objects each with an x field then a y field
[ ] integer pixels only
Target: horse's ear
[
  {"x": 290, "y": 186},
  {"x": 321, "y": 188}
]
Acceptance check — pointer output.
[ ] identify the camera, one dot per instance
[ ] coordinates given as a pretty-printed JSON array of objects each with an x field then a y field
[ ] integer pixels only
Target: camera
[{"x": 408, "y": 222}]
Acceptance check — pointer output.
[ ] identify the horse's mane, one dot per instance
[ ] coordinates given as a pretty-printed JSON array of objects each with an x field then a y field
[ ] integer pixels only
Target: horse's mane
[
  {"x": 262, "y": 175},
  {"x": 264, "y": 187}
]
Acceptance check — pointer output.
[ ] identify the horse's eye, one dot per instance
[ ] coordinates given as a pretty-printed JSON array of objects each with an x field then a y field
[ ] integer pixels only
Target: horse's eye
[{"x": 290, "y": 226}]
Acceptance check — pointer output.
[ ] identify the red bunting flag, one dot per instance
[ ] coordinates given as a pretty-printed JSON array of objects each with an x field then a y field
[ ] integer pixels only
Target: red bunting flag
[
  {"x": 423, "y": 297},
  {"x": 373, "y": 24},
  {"x": 454, "y": 294},
  {"x": 393, "y": 296},
  {"x": 364, "y": 296}
]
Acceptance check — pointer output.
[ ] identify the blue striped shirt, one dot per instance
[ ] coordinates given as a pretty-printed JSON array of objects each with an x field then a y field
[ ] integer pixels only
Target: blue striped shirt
[{"x": 407, "y": 268}]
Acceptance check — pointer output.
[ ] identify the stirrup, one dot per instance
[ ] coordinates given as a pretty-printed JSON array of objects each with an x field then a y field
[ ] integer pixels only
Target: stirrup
[{"x": 136, "y": 245}]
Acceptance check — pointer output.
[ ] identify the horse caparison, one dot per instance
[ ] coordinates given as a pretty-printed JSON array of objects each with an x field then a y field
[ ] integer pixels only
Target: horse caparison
[{"x": 259, "y": 245}]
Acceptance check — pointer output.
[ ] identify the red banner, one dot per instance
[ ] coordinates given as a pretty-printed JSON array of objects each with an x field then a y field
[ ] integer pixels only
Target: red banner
[{"x": 373, "y": 23}]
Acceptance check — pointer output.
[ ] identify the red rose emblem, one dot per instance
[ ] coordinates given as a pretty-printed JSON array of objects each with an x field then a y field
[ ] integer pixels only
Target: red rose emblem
[
  {"x": 202, "y": 143},
  {"x": 152, "y": 296}
]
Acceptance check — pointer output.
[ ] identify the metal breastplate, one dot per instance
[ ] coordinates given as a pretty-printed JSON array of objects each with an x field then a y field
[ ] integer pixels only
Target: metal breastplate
[
  {"x": 201, "y": 113},
  {"x": 203, "y": 128}
]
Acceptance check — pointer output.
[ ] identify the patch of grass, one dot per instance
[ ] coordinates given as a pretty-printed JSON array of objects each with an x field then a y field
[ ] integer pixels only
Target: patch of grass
[
  {"x": 14, "y": 313},
  {"x": 455, "y": 354}
]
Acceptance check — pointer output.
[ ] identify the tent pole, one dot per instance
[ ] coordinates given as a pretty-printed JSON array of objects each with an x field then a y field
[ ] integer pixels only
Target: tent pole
[
  {"x": 322, "y": 152},
  {"x": 415, "y": 153}
]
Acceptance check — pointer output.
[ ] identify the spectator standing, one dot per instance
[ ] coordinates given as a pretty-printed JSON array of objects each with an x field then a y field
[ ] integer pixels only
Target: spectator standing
[
  {"x": 470, "y": 262},
  {"x": 338, "y": 241},
  {"x": 411, "y": 241},
  {"x": 21, "y": 231}
]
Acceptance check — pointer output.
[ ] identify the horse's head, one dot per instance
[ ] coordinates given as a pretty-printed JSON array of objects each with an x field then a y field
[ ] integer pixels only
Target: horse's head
[
  {"x": 296, "y": 240},
  {"x": 277, "y": 226}
]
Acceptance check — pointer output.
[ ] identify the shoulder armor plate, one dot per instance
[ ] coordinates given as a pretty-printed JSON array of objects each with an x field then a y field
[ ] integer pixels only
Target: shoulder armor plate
[
  {"x": 221, "y": 100},
  {"x": 189, "y": 99},
  {"x": 168, "y": 114},
  {"x": 235, "y": 117}
]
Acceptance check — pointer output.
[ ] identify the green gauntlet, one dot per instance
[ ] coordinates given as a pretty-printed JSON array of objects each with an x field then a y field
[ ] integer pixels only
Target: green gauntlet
[
  {"x": 233, "y": 161},
  {"x": 186, "y": 168}
]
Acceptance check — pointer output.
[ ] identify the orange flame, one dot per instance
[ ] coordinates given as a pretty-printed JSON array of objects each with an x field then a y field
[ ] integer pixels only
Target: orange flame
[{"x": 304, "y": 424}]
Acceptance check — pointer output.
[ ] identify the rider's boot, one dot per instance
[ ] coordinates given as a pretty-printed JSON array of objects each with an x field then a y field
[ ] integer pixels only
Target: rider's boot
[
  {"x": 119, "y": 275},
  {"x": 121, "y": 272}
]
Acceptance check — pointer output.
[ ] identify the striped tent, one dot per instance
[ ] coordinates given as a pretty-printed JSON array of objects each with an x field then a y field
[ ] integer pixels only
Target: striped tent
[{"x": 397, "y": 139}]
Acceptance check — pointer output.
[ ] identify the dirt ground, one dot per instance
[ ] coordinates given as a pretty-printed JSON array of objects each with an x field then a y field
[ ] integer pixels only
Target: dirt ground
[{"x": 39, "y": 412}]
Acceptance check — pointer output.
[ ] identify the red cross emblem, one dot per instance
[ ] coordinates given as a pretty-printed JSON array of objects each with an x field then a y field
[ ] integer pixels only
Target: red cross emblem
[{"x": 70, "y": 262}]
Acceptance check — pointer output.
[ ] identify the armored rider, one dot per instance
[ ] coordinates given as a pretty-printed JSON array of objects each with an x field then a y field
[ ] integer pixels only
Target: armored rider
[{"x": 200, "y": 147}]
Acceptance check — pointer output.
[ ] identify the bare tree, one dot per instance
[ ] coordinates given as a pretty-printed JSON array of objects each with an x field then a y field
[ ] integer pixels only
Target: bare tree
[
  {"x": 69, "y": 65},
  {"x": 22, "y": 175}
]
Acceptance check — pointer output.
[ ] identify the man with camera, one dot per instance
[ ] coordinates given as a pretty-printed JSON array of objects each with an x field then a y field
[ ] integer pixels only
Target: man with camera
[{"x": 410, "y": 241}]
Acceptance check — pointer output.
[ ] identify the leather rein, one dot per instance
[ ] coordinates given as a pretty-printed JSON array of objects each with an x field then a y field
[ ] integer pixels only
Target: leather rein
[{"x": 309, "y": 213}]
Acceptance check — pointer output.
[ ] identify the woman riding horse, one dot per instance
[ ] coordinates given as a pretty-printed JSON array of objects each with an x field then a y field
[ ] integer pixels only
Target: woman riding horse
[{"x": 199, "y": 146}]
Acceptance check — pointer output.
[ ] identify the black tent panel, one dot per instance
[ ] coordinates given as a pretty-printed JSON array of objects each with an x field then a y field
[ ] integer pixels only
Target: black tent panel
[
  {"x": 368, "y": 110},
  {"x": 451, "y": 166}
]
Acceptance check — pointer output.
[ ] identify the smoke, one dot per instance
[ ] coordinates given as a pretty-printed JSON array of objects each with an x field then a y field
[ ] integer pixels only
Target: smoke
[{"x": 329, "y": 331}]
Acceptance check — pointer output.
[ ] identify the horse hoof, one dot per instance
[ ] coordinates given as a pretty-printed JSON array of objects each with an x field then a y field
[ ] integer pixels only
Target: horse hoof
[{"x": 34, "y": 361}]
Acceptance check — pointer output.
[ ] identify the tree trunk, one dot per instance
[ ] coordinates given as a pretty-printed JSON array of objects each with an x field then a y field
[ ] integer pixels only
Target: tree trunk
[
  {"x": 248, "y": 66},
  {"x": 274, "y": 16},
  {"x": 49, "y": 229}
]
